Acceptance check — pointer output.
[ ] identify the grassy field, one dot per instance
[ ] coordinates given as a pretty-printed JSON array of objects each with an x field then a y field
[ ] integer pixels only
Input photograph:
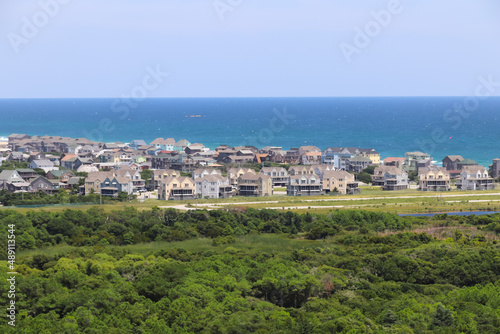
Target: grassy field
[{"x": 371, "y": 198}]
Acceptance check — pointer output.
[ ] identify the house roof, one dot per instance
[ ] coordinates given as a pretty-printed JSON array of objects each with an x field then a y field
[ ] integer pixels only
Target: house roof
[
  {"x": 368, "y": 150},
  {"x": 337, "y": 174},
  {"x": 360, "y": 159},
  {"x": 6, "y": 174},
  {"x": 474, "y": 169},
  {"x": 46, "y": 163},
  {"x": 59, "y": 173},
  {"x": 467, "y": 162},
  {"x": 25, "y": 170},
  {"x": 454, "y": 157},
  {"x": 138, "y": 142},
  {"x": 310, "y": 148},
  {"x": 74, "y": 180},
  {"x": 392, "y": 159},
  {"x": 69, "y": 157}
]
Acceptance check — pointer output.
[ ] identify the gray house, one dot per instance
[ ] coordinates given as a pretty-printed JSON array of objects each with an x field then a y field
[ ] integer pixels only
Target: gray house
[
  {"x": 213, "y": 186},
  {"x": 304, "y": 185},
  {"x": 279, "y": 175}
]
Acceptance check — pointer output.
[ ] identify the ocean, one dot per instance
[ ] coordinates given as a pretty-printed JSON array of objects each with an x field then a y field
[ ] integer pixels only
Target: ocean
[{"x": 391, "y": 125}]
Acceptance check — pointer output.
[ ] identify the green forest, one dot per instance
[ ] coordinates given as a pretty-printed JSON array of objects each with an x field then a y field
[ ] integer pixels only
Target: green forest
[{"x": 251, "y": 271}]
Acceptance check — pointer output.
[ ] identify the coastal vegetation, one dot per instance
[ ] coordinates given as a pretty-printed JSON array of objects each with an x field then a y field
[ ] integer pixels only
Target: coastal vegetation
[{"x": 253, "y": 271}]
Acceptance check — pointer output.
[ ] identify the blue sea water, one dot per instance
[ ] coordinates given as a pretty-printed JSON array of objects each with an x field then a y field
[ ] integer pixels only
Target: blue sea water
[{"x": 393, "y": 126}]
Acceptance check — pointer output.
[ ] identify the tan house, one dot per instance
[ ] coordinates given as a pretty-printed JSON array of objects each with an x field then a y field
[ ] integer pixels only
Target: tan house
[
  {"x": 390, "y": 178},
  {"x": 235, "y": 173},
  {"x": 177, "y": 188},
  {"x": 251, "y": 184},
  {"x": 340, "y": 180},
  {"x": 433, "y": 178},
  {"x": 94, "y": 181},
  {"x": 161, "y": 174}
]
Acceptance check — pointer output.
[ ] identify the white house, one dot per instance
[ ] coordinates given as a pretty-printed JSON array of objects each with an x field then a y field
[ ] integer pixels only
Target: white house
[{"x": 46, "y": 165}]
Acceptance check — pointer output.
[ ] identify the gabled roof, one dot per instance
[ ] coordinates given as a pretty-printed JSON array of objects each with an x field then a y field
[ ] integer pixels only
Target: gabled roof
[
  {"x": 68, "y": 157},
  {"x": 360, "y": 159},
  {"x": 46, "y": 163},
  {"x": 337, "y": 174},
  {"x": 7, "y": 174},
  {"x": 454, "y": 157},
  {"x": 474, "y": 169}
]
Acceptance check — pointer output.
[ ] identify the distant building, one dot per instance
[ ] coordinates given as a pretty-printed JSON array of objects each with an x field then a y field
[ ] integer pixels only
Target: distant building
[
  {"x": 394, "y": 161},
  {"x": 411, "y": 160},
  {"x": 450, "y": 162},
  {"x": 466, "y": 162},
  {"x": 358, "y": 163},
  {"x": 495, "y": 168}
]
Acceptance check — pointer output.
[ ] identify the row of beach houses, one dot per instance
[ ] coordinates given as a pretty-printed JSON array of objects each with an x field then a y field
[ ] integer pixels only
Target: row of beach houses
[{"x": 115, "y": 167}]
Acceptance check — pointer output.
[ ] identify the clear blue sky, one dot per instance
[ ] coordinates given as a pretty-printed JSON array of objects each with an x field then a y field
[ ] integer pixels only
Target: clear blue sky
[{"x": 103, "y": 48}]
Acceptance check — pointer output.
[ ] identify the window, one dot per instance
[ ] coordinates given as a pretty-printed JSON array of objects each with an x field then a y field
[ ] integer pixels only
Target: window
[{"x": 186, "y": 185}]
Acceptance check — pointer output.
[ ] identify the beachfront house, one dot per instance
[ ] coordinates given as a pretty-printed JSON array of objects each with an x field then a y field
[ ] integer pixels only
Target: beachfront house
[
  {"x": 304, "y": 185},
  {"x": 160, "y": 174},
  {"x": 235, "y": 173},
  {"x": 213, "y": 186},
  {"x": 475, "y": 178},
  {"x": 450, "y": 162},
  {"x": 433, "y": 178},
  {"x": 339, "y": 181},
  {"x": 202, "y": 172},
  {"x": 393, "y": 178},
  {"x": 251, "y": 184},
  {"x": 279, "y": 175},
  {"x": 177, "y": 188}
]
